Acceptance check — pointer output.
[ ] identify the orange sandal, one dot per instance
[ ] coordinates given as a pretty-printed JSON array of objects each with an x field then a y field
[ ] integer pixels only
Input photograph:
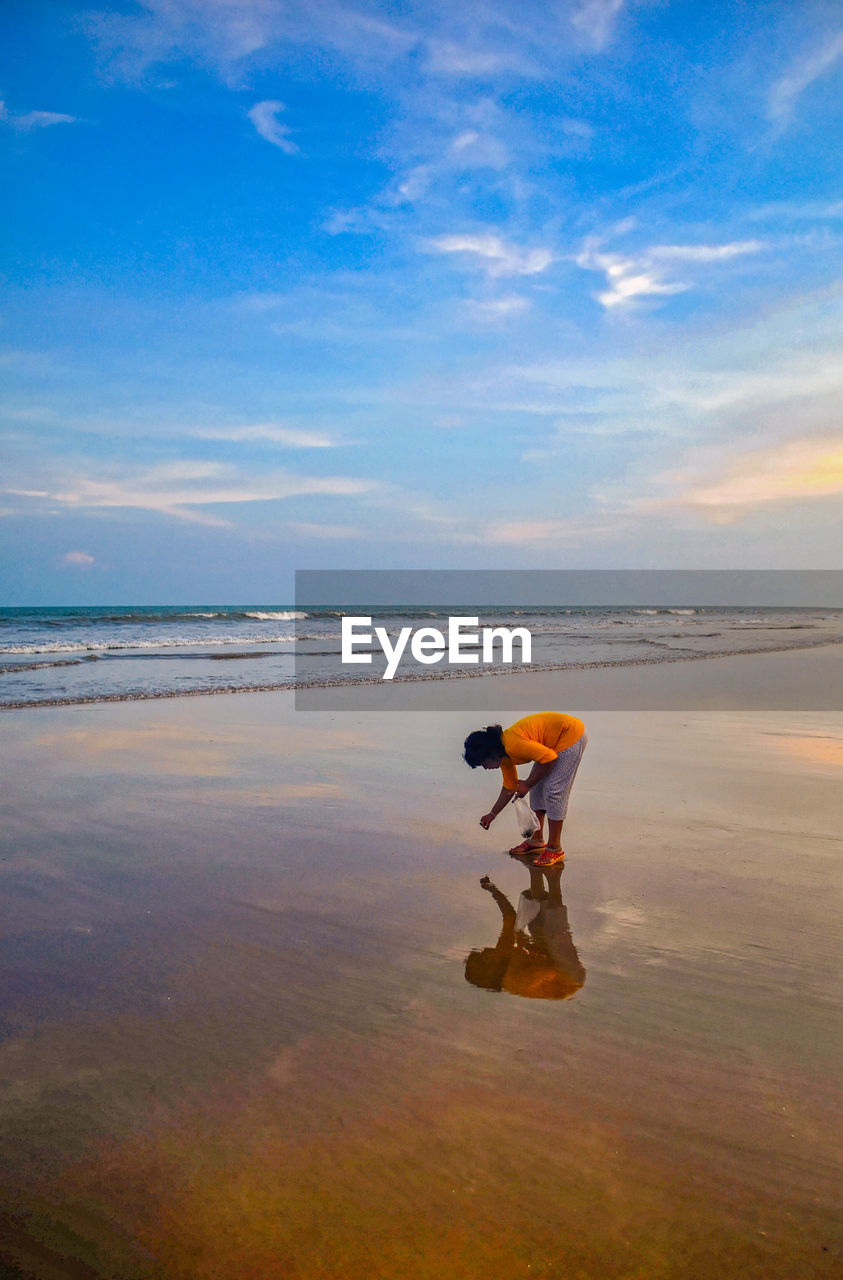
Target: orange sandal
[
  {"x": 549, "y": 858},
  {"x": 527, "y": 847}
]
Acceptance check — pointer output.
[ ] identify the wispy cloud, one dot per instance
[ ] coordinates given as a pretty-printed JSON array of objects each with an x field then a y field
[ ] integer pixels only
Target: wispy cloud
[
  {"x": 627, "y": 278},
  {"x": 703, "y": 252},
  {"x": 796, "y": 471},
  {"x": 800, "y": 75},
  {"x": 271, "y": 433},
  {"x": 782, "y": 369},
  {"x": 264, "y": 116},
  {"x": 448, "y": 57},
  {"x": 34, "y": 119},
  {"x": 225, "y": 34},
  {"x": 495, "y": 255},
  {"x": 644, "y": 273},
  {"x": 483, "y": 42},
  {"x": 796, "y": 377},
  {"x": 477, "y": 149},
  {"x": 803, "y": 210},
  {"x": 324, "y": 532},
  {"x": 480, "y": 141},
  {"x": 470, "y": 150},
  {"x": 79, "y": 559},
  {"x": 182, "y": 489},
  {"x": 497, "y": 310},
  {"x": 595, "y": 20},
  {"x": 552, "y": 532}
]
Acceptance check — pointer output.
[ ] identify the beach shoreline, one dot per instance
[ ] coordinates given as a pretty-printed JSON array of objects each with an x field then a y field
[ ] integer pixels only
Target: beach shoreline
[{"x": 785, "y": 688}]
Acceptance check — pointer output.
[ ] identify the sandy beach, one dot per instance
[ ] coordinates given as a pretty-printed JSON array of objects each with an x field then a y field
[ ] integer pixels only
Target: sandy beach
[{"x": 239, "y": 1041}]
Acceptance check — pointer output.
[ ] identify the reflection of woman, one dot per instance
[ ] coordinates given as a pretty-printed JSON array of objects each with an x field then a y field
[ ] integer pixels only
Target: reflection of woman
[
  {"x": 535, "y": 955},
  {"x": 553, "y": 743}
]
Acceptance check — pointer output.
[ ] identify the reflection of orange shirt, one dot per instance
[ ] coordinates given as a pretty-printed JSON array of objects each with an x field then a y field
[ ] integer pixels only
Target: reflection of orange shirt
[{"x": 537, "y": 738}]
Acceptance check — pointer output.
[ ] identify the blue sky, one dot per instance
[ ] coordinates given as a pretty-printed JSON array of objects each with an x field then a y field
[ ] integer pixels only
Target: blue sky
[{"x": 376, "y": 285}]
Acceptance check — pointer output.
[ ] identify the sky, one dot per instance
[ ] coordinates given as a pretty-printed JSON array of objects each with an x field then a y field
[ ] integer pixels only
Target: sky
[{"x": 305, "y": 284}]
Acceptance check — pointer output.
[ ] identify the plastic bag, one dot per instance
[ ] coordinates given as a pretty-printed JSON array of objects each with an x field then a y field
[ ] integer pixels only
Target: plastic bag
[{"x": 528, "y": 823}]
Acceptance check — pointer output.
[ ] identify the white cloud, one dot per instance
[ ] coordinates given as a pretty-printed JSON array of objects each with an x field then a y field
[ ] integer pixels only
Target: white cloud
[
  {"x": 225, "y": 34},
  {"x": 495, "y": 310},
  {"x": 627, "y": 278},
  {"x": 643, "y": 274},
  {"x": 576, "y": 128},
  {"x": 780, "y": 373},
  {"x": 703, "y": 252},
  {"x": 595, "y": 19},
  {"x": 34, "y": 119},
  {"x": 473, "y": 149},
  {"x": 447, "y": 57},
  {"x": 438, "y": 40},
  {"x": 271, "y": 432},
  {"x": 79, "y": 559},
  {"x": 795, "y": 377},
  {"x": 808, "y": 210},
  {"x": 412, "y": 186},
  {"x": 182, "y": 489},
  {"x": 43, "y": 119},
  {"x": 496, "y": 256},
  {"x": 784, "y": 94},
  {"x": 264, "y": 116}
]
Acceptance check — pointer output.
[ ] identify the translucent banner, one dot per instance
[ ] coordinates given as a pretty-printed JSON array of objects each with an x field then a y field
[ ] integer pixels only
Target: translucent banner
[{"x": 603, "y": 639}]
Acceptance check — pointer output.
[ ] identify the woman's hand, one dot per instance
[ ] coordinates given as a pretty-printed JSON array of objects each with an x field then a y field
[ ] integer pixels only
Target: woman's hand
[
  {"x": 522, "y": 789},
  {"x": 487, "y": 820}
]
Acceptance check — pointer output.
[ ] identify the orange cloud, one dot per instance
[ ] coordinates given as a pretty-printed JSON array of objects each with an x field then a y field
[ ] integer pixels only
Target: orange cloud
[{"x": 799, "y": 471}]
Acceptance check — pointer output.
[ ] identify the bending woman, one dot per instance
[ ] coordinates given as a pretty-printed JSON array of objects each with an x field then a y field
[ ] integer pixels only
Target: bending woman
[{"x": 554, "y": 744}]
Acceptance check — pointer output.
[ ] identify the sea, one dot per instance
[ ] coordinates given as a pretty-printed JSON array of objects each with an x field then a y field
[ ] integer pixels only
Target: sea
[{"x": 74, "y": 655}]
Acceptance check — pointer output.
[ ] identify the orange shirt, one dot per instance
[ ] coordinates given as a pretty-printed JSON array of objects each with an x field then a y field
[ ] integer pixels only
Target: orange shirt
[{"x": 537, "y": 738}]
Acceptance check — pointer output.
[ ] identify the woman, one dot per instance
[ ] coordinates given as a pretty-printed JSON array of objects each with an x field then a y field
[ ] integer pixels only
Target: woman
[{"x": 554, "y": 743}]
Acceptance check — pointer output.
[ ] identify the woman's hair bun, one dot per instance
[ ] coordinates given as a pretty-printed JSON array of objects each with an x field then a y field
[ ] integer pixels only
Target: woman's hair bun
[{"x": 484, "y": 744}]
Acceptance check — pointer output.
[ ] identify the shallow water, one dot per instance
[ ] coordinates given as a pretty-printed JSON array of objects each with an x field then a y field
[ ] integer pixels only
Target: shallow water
[
  {"x": 61, "y": 655},
  {"x": 243, "y": 1036}
]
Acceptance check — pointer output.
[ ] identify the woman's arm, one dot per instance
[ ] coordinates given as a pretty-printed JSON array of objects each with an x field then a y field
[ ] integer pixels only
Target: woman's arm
[
  {"x": 535, "y": 775},
  {"x": 498, "y": 807},
  {"x": 506, "y": 908}
]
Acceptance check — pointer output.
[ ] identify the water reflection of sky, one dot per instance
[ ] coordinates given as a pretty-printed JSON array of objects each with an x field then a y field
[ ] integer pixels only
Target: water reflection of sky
[{"x": 235, "y": 956}]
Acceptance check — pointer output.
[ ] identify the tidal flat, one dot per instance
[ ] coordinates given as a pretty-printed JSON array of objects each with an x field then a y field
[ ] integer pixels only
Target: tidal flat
[{"x": 243, "y": 1039}]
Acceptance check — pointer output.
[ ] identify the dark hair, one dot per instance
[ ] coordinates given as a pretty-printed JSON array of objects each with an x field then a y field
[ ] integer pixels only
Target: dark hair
[
  {"x": 486, "y": 968},
  {"x": 484, "y": 744}
]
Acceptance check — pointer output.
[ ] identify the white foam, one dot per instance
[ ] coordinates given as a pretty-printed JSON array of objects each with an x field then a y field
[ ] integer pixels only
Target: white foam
[
  {"x": 175, "y": 642},
  {"x": 289, "y": 616}
]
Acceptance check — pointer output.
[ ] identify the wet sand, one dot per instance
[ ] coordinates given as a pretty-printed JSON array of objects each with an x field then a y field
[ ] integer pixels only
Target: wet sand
[{"x": 239, "y": 1041}]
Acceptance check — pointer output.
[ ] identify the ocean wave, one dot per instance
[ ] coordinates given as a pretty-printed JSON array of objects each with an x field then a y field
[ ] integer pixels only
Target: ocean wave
[
  {"x": 291, "y": 685},
  {"x": 173, "y": 642},
  {"x": 38, "y": 666},
  {"x": 141, "y": 616},
  {"x": 293, "y": 615}
]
